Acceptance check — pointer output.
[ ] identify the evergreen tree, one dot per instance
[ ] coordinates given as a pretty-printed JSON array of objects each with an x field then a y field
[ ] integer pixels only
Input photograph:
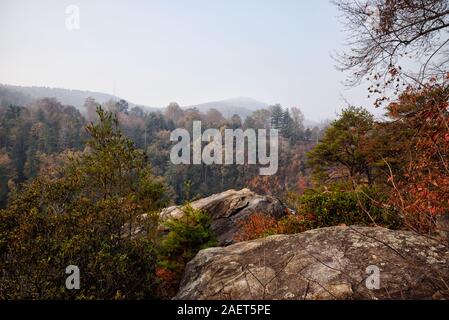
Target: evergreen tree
[
  {"x": 287, "y": 129},
  {"x": 276, "y": 116},
  {"x": 83, "y": 216}
]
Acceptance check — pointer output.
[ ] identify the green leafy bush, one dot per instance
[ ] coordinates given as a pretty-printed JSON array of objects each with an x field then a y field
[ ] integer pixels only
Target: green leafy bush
[
  {"x": 187, "y": 235},
  {"x": 336, "y": 205}
]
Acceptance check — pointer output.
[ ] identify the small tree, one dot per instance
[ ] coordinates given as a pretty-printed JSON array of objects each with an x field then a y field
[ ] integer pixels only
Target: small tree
[
  {"x": 187, "y": 235},
  {"x": 77, "y": 217},
  {"x": 341, "y": 153}
]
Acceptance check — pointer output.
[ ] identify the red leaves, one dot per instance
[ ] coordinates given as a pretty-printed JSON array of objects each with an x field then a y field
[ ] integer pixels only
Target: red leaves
[
  {"x": 256, "y": 226},
  {"x": 422, "y": 189},
  {"x": 166, "y": 275}
]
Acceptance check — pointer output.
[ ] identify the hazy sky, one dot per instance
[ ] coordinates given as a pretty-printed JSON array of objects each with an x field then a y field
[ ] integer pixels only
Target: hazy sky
[{"x": 188, "y": 51}]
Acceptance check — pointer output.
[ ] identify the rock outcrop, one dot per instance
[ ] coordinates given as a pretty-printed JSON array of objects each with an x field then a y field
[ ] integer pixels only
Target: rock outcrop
[
  {"x": 327, "y": 263},
  {"x": 228, "y": 208}
]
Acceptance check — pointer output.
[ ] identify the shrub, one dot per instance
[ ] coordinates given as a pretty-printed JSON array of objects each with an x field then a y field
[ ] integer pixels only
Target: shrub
[
  {"x": 187, "y": 235},
  {"x": 261, "y": 225},
  {"x": 256, "y": 226},
  {"x": 292, "y": 224},
  {"x": 334, "y": 206},
  {"x": 324, "y": 208}
]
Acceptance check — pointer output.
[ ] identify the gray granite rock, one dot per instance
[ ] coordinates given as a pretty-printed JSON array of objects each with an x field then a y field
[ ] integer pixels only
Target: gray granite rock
[{"x": 327, "y": 263}]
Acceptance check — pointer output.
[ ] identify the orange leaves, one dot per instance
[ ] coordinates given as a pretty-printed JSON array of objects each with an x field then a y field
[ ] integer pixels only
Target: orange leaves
[
  {"x": 166, "y": 275},
  {"x": 422, "y": 189},
  {"x": 260, "y": 225},
  {"x": 256, "y": 226},
  {"x": 168, "y": 283}
]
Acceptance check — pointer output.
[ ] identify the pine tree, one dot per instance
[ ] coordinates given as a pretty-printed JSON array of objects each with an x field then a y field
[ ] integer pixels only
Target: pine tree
[
  {"x": 83, "y": 216},
  {"x": 286, "y": 124},
  {"x": 276, "y": 116}
]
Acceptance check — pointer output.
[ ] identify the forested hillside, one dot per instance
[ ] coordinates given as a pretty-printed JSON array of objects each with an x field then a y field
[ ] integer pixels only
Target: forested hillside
[
  {"x": 22, "y": 95},
  {"x": 35, "y": 138}
]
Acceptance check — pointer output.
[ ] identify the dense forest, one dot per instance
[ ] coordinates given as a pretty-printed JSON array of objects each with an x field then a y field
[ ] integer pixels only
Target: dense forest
[
  {"x": 71, "y": 183},
  {"x": 36, "y": 137}
]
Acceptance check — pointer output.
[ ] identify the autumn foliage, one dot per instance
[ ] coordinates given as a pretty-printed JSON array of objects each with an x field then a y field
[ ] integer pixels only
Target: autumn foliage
[
  {"x": 421, "y": 191},
  {"x": 260, "y": 225},
  {"x": 256, "y": 226}
]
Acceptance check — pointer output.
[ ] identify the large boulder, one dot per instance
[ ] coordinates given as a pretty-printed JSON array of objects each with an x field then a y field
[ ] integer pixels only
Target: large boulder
[
  {"x": 229, "y": 208},
  {"x": 327, "y": 263}
]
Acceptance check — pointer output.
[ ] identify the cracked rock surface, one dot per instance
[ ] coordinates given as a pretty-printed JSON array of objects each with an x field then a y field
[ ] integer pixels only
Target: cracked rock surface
[{"x": 327, "y": 263}]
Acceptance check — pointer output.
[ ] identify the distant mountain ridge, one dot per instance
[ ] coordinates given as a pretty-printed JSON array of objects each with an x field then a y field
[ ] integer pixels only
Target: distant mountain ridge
[
  {"x": 74, "y": 98},
  {"x": 243, "y": 106},
  {"x": 24, "y": 95}
]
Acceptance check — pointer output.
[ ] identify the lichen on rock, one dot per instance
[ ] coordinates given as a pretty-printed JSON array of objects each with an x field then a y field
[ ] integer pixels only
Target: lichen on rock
[{"x": 326, "y": 263}]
